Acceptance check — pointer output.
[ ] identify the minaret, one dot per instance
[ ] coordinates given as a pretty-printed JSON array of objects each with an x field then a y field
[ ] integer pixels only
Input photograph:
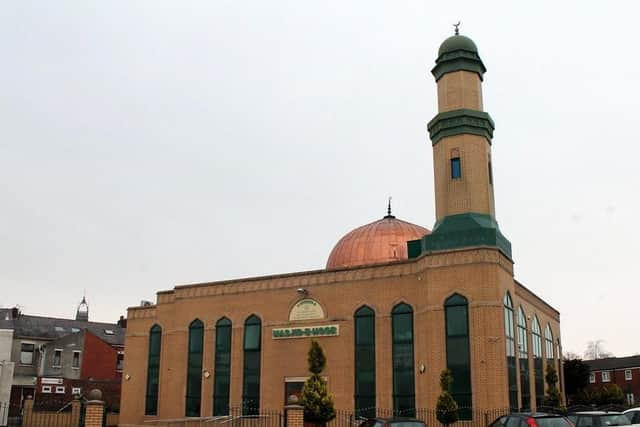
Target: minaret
[
  {"x": 82, "y": 313},
  {"x": 461, "y": 135}
]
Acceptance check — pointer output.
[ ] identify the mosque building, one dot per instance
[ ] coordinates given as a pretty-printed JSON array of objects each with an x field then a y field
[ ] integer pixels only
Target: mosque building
[{"x": 395, "y": 306}]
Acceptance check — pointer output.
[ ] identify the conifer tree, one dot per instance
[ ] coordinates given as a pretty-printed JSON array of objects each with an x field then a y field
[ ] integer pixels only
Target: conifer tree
[
  {"x": 446, "y": 408},
  {"x": 316, "y": 399},
  {"x": 552, "y": 398}
]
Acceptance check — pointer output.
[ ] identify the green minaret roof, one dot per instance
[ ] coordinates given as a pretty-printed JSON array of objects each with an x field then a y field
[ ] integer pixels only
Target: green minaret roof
[{"x": 458, "y": 53}]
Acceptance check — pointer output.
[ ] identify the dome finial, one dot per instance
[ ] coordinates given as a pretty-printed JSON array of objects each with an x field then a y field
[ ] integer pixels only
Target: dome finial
[
  {"x": 389, "y": 209},
  {"x": 457, "y": 31}
]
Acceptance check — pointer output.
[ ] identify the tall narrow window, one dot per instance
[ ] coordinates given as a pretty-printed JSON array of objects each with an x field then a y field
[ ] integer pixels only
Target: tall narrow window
[
  {"x": 538, "y": 371},
  {"x": 510, "y": 340},
  {"x": 153, "y": 370},
  {"x": 222, "y": 377},
  {"x": 75, "y": 361},
  {"x": 458, "y": 357},
  {"x": 404, "y": 394},
  {"x": 57, "y": 358},
  {"x": 251, "y": 374},
  {"x": 456, "y": 170},
  {"x": 194, "y": 369},
  {"x": 523, "y": 356},
  {"x": 365, "y": 362},
  {"x": 548, "y": 343}
]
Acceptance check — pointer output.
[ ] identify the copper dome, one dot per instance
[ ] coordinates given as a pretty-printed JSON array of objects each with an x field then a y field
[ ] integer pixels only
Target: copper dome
[{"x": 381, "y": 241}]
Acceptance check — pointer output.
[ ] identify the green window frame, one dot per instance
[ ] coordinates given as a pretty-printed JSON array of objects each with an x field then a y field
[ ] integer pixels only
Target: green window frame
[
  {"x": 222, "y": 367},
  {"x": 194, "y": 369},
  {"x": 404, "y": 392},
  {"x": 456, "y": 310},
  {"x": 538, "y": 366},
  {"x": 365, "y": 362},
  {"x": 510, "y": 340},
  {"x": 153, "y": 370},
  {"x": 523, "y": 356},
  {"x": 251, "y": 369}
]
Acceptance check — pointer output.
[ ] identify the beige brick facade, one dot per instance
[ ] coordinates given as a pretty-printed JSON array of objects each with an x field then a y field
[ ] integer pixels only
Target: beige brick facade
[{"x": 481, "y": 275}]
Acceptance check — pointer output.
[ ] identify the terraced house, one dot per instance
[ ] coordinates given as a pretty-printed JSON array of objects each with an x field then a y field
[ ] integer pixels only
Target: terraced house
[{"x": 395, "y": 305}]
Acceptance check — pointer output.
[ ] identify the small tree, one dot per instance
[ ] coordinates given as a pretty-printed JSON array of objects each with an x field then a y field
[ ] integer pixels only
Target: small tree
[
  {"x": 446, "y": 408},
  {"x": 316, "y": 399},
  {"x": 552, "y": 398}
]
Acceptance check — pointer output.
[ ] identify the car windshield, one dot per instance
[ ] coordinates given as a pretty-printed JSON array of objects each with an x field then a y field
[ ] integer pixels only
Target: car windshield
[
  {"x": 614, "y": 420},
  {"x": 553, "y": 422}
]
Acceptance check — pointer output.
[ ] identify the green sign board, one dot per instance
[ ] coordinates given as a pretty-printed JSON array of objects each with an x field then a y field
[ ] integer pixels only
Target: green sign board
[{"x": 306, "y": 331}]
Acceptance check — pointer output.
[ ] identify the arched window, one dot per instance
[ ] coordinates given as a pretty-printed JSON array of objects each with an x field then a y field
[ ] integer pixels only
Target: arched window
[
  {"x": 523, "y": 356},
  {"x": 194, "y": 369},
  {"x": 365, "y": 362},
  {"x": 538, "y": 370},
  {"x": 510, "y": 341},
  {"x": 458, "y": 357},
  {"x": 251, "y": 371},
  {"x": 222, "y": 370},
  {"x": 153, "y": 370},
  {"x": 548, "y": 341},
  {"x": 404, "y": 394}
]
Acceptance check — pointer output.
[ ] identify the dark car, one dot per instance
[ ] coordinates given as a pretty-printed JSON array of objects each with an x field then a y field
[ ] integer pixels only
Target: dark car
[
  {"x": 533, "y": 419},
  {"x": 393, "y": 422},
  {"x": 599, "y": 419}
]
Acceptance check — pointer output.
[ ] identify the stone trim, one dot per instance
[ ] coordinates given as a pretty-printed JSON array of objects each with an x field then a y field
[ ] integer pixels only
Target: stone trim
[{"x": 459, "y": 122}]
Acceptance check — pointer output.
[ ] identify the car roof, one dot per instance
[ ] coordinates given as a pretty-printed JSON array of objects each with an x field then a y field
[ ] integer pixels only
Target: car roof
[
  {"x": 536, "y": 414},
  {"x": 596, "y": 413},
  {"x": 397, "y": 420}
]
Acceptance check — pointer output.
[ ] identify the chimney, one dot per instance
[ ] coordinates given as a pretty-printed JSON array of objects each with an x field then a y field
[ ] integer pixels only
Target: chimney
[
  {"x": 15, "y": 313},
  {"x": 122, "y": 322}
]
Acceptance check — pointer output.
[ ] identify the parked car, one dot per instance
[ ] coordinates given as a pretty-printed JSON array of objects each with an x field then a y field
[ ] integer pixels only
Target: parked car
[
  {"x": 633, "y": 414},
  {"x": 393, "y": 422},
  {"x": 599, "y": 419},
  {"x": 533, "y": 419}
]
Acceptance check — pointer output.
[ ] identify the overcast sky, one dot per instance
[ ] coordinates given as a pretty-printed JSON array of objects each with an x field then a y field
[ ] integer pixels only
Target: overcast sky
[{"x": 145, "y": 144}]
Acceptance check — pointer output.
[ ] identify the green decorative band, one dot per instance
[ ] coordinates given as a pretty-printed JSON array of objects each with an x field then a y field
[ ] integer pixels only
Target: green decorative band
[
  {"x": 461, "y": 231},
  {"x": 459, "y": 60},
  {"x": 307, "y": 331},
  {"x": 458, "y": 122}
]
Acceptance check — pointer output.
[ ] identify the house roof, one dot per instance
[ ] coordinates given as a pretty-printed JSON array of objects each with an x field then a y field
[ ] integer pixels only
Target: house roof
[
  {"x": 52, "y": 328},
  {"x": 613, "y": 363}
]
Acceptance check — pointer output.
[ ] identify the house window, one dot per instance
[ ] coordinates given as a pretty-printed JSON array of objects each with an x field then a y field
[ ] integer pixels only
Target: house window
[
  {"x": 57, "y": 358},
  {"x": 548, "y": 340},
  {"x": 628, "y": 376},
  {"x": 109, "y": 332},
  {"x": 222, "y": 371},
  {"x": 153, "y": 371},
  {"x": 59, "y": 389},
  {"x": 365, "y": 362},
  {"x": 120, "y": 361},
  {"x": 26, "y": 353},
  {"x": 404, "y": 392},
  {"x": 194, "y": 369},
  {"x": 606, "y": 376},
  {"x": 458, "y": 357},
  {"x": 251, "y": 369},
  {"x": 592, "y": 377},
  {"x": 75, "y": 362},
  {"x": 456, "y": 170},
  {"x": 46, "y": 389},
  {"x": 76, "y": 391}
]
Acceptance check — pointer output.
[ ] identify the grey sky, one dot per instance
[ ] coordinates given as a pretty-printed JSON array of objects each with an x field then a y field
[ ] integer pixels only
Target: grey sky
[{"x": 149, "y": 144}]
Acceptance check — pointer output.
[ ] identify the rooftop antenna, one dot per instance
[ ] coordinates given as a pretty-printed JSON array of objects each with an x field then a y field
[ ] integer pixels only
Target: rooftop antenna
[{"x": 457, "y": 31}]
